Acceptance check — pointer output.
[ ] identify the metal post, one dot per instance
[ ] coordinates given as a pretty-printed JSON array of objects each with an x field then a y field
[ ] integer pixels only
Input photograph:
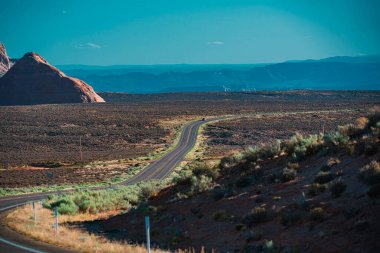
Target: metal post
[
  {"x": 56, "y": 219},
  {"x": 80, "y": 148},
  {"x": 147, "y": 228},
  {"x": 35, "y": 213}
]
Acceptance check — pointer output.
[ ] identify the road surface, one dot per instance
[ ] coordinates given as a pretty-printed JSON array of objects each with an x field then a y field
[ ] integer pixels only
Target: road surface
[{"x": 12, "y": 242}]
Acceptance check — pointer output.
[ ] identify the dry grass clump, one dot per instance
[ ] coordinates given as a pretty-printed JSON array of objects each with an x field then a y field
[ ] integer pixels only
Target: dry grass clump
[
  {"x": 257, "y": 215},
  {"x": 370, "y": 175},
  {"x": 337, "y": 188},
  {"x": 21, "y": 220}
]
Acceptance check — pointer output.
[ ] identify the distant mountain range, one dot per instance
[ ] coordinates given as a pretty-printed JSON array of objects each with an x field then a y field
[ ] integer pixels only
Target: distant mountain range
[{"x": 341, "y": 72}]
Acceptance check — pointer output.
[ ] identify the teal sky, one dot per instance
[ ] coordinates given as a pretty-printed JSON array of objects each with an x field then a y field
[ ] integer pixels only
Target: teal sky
[{"x": 189, "y": 31}]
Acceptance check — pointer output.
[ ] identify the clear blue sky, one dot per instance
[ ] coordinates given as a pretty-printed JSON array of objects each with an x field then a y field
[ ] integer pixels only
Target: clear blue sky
[{"x": 189, "y": 31}]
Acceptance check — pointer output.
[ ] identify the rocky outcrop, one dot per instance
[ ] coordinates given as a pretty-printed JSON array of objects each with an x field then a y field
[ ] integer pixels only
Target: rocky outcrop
[
  {"x": 4, "y": 60},
  {"x": 32, "y": 80}
]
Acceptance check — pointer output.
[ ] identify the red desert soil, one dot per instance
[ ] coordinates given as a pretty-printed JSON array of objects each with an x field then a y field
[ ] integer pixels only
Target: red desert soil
[
  {"x": 32, "y": 80},
  {"x": 349, "y": 223}
]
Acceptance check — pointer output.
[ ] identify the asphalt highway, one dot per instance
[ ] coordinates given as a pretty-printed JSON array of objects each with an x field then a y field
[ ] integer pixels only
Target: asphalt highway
[{"x": 12, "y": 242}]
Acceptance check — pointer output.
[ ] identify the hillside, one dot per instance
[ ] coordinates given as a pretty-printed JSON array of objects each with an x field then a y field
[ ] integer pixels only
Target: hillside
[
  {"x": 317, "y": 193},
  {"x": 32, "y": 80}
]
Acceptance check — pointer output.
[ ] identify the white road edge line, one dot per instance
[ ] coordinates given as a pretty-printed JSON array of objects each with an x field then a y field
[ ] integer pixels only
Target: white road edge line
[
  {"x": 20, "y": 246},
  {"x": 16, "y": 244},
  {"x": 12, "y": 206}
]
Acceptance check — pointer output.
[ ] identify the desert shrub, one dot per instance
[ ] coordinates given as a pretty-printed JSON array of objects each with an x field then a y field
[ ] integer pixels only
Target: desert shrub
[
  {"x": 336, "y": 139},
  {"x": 149, "y": 189},
  {"x": 370, "y": 174},
  {"x": 256, "y": 216},
  {"x": 350, "y": 149},
  {"x": 244, "y": 181},
  {"x": 374, "y": 191},
  {"x": 201, "y": 184},
  {"x": 65, "y": 206},
  {"x": 349, "y": 130},
  {"x": 251, "y": 155},
  {"x": 184, "y": 179},
  {"x": 300, "y": 146},
  {"x": 270, "y": 151},
  {"x": 293, "y": 166},
  {"x": 337, "y": 188},
  {"x": 202, "y": 169},
  {"x": 288, "y": 175},
  {"x": 265, "y": 152},
  {"x": 333, "y": 161},
  {"x": 220, "y": 215},
  {"x": 94, "y": 201},
  {"x": 324, "y": 177},
  {"x": 316, "y": 214},
  {"x": 241, "y": 227},
  {"x": 228, "y": 161},
  {"x": 316, "y": 189},
  {"x": 374, "y": 117}
]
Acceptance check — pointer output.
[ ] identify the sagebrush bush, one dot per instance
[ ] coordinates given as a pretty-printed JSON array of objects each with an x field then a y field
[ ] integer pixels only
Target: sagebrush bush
[
  {"x": 370, "y": 174},
  {"x": 337, "y": 188},
  {"x": 293, "y": 166},
  {"x": 324, "y": 177},
  {"x": 336, "y": 139},
  {"x": 220, "y": 215},
  {"x": 228, "y": 161},
  {"x": 265, "y": 152},
  {"x": 201, "y": 184},
  {"x": 149, "y": 190},
  {"x": 241, "y": 227},
  {"x": 300, "y": 146},
  {"x": 202, "y": 169},
  {"x": 316, "y": 214},
  {"x": 256, "y": 216},
  {"x": 94, "y": 201},
  {"x": 332, "y": 161},
  {"x": 316, "y": 189},
  {"x": 288, "y": 175}
]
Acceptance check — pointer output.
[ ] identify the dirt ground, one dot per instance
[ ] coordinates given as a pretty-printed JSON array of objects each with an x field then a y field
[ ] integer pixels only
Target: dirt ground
[
  {"x": 132, "y": 126},
  {"x": 350, "y": 223}
]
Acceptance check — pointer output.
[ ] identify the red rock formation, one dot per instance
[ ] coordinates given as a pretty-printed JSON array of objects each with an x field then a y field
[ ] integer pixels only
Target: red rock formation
[
  {"x": 4, "y": 60},
  {"x": 32, "y": 80}
]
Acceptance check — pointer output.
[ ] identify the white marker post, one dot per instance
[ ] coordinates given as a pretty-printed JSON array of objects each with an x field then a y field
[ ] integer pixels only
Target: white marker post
[
  {"x": 34, "y": 213},
  {"x": 56, "y": 219},
  {"x": 147, "y": 228}
]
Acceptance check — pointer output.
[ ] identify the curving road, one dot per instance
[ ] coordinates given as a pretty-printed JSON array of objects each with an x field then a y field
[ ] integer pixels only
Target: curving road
[{"x": 12, "y": 242}]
